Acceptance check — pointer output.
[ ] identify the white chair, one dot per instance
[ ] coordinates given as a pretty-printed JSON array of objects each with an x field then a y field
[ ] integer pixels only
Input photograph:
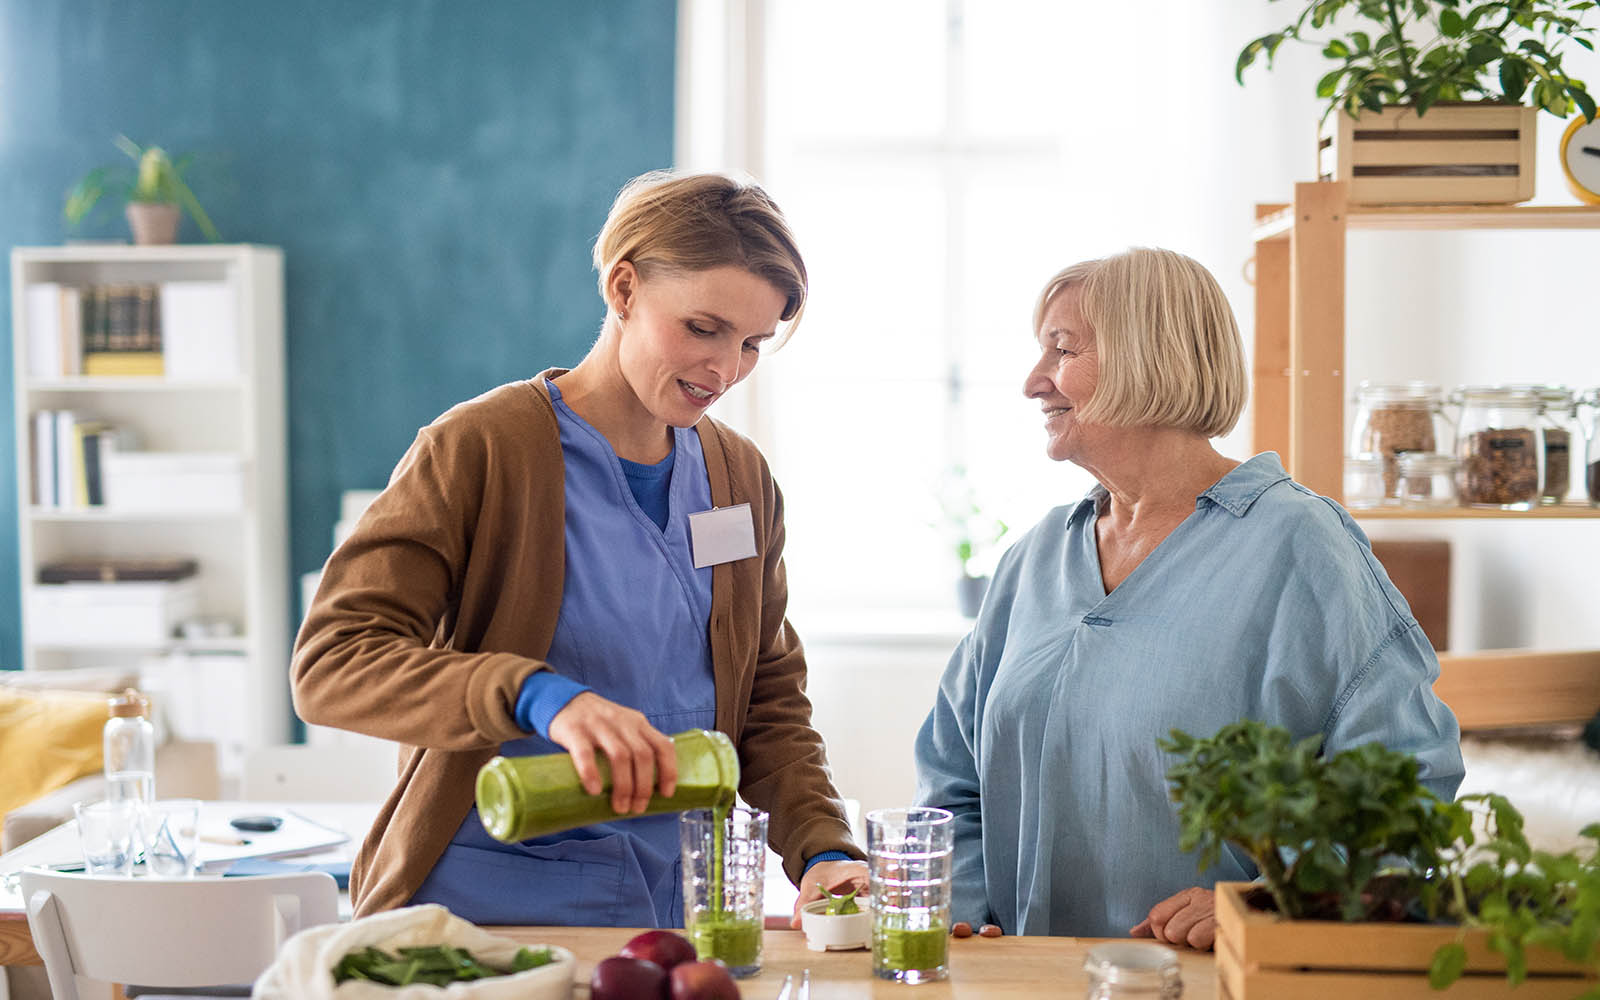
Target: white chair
[{"x": 181, "y": 933}]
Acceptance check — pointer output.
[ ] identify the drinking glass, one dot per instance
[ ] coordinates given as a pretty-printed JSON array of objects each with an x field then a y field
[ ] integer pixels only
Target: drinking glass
[
  {"x": 908, "y": 858},
  {"x": 169, "y": 831},
  {"x": 724, "y": 872},
  {"x": 107, "y": 830}
]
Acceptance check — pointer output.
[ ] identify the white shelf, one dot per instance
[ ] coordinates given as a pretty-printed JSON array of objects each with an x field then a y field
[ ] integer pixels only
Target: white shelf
[
  {"x": 236, "y": 415},
  {"x": 130, "y": 383},
  {"x": 103, "y": 515},
  {"x": 231, "y": 644}
]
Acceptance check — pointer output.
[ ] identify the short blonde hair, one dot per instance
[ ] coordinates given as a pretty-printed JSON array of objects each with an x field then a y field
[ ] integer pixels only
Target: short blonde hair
[
  {"x": 1169, "y": 348},
  {"x": 665, "y": 222}
]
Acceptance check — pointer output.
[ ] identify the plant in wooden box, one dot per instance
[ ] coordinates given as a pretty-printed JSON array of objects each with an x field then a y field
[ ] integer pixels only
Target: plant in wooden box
[
  {"x": 155, "y": 191},
  {"x": 1407, "y": 133},
  {"x": 1369, "y": 883}
]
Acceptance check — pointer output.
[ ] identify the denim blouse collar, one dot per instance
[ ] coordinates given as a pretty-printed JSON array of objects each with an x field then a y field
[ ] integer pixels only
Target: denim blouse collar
[{"x": 1234, "y": 493}]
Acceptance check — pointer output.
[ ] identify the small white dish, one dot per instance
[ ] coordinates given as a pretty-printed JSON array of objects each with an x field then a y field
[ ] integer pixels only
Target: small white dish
[{"x": 836, "y": 932}]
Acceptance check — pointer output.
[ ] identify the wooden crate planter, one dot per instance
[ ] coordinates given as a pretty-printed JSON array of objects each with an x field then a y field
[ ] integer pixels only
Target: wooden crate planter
[
  {"x": 1453, "y": 155},
  {"x": 1261, "y": 956}
]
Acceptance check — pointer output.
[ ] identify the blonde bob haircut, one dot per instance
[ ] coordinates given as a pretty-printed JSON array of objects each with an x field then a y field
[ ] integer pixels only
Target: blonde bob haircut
[
  {"x": 670, "y": 223},
  {"x": 1169, "y": 349}
]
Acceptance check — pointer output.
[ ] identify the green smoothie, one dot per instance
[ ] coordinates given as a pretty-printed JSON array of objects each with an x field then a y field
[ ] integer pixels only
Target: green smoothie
[
  {"x": 901, "y": 950},
  {"x": 735, "y": 941}
]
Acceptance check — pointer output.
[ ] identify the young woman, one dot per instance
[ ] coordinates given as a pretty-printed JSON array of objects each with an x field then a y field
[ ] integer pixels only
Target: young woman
[{"x": 528, "y": 583}]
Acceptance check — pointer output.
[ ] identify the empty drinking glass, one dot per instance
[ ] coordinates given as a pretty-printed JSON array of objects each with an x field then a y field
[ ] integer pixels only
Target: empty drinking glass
[
  {"x": 909, "y": 856},
  {"x": 106, "y": 829},
  {"x": 724, "y": 873},
  {"x": 169, "y": 831}
]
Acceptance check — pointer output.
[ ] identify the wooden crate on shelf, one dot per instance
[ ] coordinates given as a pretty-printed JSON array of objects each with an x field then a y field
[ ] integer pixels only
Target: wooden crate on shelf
[
  {"x": 1261, "y": 956},
  {"x": 1453, "y": 155}
]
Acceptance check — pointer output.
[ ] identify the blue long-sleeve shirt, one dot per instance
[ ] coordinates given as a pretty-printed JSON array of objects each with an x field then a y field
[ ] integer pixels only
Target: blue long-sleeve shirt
[{"x": 1264, "y": 603}]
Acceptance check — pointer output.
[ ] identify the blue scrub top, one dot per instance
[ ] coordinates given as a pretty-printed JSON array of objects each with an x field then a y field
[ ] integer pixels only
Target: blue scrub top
[{"x": 632, "y": 628}]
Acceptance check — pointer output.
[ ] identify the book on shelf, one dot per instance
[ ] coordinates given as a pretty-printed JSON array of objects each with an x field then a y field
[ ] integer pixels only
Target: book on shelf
[
  {"x": 118, "y": 570},
  {"x": 114, "y": 329},
  {"x": 70, "y": 455}
]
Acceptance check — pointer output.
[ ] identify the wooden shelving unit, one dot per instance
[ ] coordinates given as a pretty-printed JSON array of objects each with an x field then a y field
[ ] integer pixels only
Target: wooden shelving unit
[{"x": 1298, "y": 389}]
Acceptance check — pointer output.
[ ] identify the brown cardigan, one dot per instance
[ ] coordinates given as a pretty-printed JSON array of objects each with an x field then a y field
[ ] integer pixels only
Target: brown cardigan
[{"x": 444, "y": 600}]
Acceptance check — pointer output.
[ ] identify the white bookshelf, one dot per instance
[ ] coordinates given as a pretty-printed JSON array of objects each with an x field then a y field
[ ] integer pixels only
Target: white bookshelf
[{"x": 234, "y": 688}]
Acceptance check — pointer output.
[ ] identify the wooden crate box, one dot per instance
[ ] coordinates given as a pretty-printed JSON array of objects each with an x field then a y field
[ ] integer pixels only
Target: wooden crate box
[
  {"x": 1261, "y": 956},
  {"x": 1453, "y": 155}
]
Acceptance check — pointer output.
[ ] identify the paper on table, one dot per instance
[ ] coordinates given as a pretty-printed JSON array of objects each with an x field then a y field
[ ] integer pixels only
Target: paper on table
[{"x": 221, "y": 844}]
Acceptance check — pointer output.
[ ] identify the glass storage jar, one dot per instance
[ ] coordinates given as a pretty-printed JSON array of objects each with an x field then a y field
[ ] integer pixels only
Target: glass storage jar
[
  {"x": 1364, "y": 486},
  {"x": 1591, "y": 457},
  {"x": 1396, "y": 417},
  {"x": 1563, "y": 440},
  {"x": 1427, "y": 479},
  {"x": 1498, "y": 446}
]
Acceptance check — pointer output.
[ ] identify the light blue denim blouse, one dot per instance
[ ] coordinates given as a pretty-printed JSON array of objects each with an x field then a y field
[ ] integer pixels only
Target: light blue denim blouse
[{"x": 1265, "y": 603}]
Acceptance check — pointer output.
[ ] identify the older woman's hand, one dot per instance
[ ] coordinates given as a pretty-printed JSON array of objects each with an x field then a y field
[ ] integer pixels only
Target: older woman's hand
[
  {"x": 836, "y": 876},
  {"x": 1188, "y": 917}
]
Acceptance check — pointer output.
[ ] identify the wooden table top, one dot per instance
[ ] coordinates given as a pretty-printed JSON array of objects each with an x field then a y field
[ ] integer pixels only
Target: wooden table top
[{"x": 979, "y": 967}]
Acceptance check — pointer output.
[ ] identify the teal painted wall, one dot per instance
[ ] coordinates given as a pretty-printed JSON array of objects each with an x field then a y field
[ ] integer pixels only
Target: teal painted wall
[{"x": 434, "y": 171}]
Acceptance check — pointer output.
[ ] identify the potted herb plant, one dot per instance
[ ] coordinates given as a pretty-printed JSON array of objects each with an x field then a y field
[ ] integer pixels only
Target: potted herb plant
[
  {"x": 973, "y": 534},
  {"x": 1458, "y": 82},
  {"x": 1370, "y": 883},
  {"x": 154, "y": 189}
]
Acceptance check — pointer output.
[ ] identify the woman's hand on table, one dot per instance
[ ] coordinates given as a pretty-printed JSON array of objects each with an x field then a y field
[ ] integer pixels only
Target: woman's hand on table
[
  {"x": 638, "y": 752},
  {"x": 1187, "y": 918},
  {"x": 837, "y": 876}
]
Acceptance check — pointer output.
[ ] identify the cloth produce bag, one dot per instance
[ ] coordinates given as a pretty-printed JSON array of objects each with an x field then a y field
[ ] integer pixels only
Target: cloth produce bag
[{"x": 304, "y": 967}]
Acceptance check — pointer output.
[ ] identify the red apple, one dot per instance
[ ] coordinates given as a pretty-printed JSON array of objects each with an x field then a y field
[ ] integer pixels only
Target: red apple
[
  {"x": 664, "y": 948},
  {"x": 703, "y": 981},
  {"x": 622, "y": 978}
]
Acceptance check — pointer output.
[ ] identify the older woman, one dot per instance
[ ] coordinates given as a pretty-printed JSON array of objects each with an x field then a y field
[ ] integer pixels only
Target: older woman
[{"x": 1186, "y": 590}]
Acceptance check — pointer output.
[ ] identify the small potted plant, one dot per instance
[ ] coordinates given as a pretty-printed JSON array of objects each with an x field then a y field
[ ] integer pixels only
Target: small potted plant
[
  {"x": 836, "y": 922},
  {"x": 973, "y": 533},
  {"x": 1369, "y": 880},
  {"x": 1434, "y": 73},
  {"x": 155, "y": 191}
]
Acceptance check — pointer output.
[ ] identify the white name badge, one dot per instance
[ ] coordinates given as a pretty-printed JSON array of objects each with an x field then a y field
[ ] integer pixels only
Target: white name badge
[{"x": 722, "y": 534}]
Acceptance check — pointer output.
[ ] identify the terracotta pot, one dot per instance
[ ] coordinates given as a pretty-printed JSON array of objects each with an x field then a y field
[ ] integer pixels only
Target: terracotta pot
[{"x": 153, "y": 223}]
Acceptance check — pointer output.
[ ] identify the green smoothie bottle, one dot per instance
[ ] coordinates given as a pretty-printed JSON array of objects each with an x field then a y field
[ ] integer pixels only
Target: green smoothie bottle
[{"x": 524, "y": 797}]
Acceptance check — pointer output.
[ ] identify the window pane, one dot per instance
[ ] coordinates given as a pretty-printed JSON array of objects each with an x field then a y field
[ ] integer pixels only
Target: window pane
[
  {"x": 873, "y": 238},
  {"x": 847, "y": 69},
  {"x": 1017, "y": 64}
]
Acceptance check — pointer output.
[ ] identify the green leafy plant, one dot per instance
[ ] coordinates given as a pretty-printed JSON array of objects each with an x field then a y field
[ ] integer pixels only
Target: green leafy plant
[
  {"x": 840, "y": 904},
  {"x": 1356, "y": 836},
  {"x": 437, "y": 965},
  {"x": 155, "y": 176},
  {"x": 1418, "y": 53},
  {"x": 973, "y": 532}
]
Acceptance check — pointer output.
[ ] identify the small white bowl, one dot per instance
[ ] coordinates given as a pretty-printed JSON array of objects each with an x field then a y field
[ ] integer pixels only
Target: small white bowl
[{"x": 836, "y": 932}]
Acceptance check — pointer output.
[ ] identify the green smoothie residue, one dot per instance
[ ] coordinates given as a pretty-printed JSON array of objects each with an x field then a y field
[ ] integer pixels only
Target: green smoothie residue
[
  {"x": 905, "y": 950},
  {"x": 735, "y": 941}
]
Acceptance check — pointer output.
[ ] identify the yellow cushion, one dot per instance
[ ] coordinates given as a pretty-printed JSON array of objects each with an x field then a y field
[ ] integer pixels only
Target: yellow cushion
[{"x": 47, "y": 738}]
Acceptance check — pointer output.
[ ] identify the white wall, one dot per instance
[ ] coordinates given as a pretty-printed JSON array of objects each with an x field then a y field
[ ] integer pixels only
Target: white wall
[{"x": 1447, "y": 308}]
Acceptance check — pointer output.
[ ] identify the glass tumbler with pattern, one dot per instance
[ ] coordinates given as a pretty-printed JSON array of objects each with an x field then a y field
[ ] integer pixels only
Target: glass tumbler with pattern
[{"x": 909, "y": 855}]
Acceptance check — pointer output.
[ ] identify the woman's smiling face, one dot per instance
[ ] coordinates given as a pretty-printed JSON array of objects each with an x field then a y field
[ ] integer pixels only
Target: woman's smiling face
[
  {"x": 1065, "y": 376},
  {"x": 689, "y": 337}
]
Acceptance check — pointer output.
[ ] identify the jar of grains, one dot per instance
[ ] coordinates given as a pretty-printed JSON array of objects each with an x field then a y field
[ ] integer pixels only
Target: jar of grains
[
  {"x": 1563, "y": 439},
  {"x": 1427, "y": 479},
  {"x": 1499, "y": 447},
  {"x": 1392, "y": 418}
]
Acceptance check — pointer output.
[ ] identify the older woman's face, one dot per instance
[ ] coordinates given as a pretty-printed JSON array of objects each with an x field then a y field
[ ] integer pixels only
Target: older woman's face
[{"x": 1065, "y": 376}]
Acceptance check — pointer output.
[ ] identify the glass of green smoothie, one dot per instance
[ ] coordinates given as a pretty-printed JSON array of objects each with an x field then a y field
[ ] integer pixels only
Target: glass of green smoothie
[
  {"x": 724, "y": 872},
  {"x": 908, "y": 858}
]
